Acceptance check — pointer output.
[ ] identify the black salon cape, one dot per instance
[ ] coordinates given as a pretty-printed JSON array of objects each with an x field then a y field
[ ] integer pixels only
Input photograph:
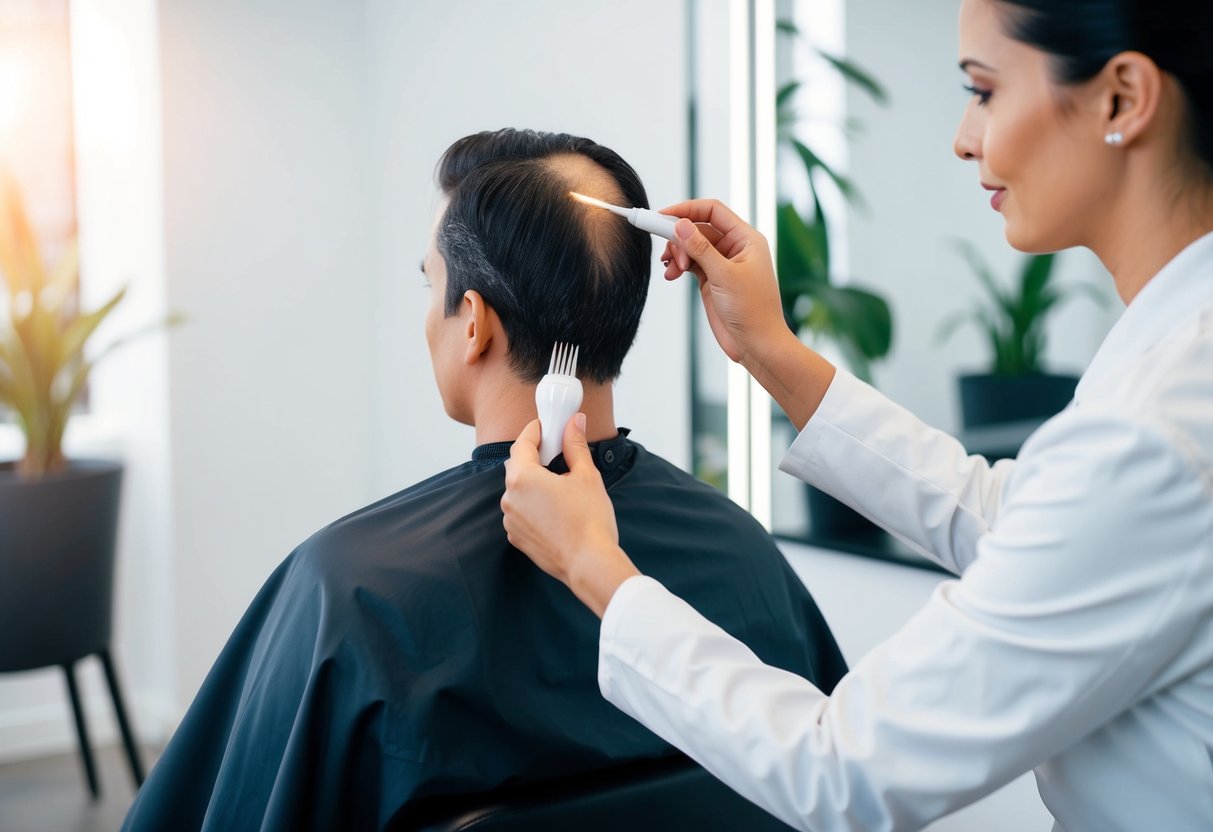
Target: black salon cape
[{"x": 408, "y": 650}]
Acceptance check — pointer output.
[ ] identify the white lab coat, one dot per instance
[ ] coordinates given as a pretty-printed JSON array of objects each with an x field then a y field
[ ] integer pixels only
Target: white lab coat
[{"x": 1078, "y": 640}]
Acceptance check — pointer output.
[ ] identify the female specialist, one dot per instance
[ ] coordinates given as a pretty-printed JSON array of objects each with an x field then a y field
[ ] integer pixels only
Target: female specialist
[{"x": 1078, "y": 639}]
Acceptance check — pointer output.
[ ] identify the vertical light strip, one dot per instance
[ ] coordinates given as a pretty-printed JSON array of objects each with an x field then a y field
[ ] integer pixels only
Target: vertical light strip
[
  {"x": 692, "y": 36},
  {"x": 740, "y": 198},
  {"x": 764, "y": 213}
]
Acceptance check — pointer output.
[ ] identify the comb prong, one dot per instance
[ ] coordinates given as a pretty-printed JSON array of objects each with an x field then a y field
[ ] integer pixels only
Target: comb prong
[{"x": 564, "y": 359}]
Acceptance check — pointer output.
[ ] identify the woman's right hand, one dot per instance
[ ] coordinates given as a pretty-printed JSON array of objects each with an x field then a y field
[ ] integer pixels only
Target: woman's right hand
[{"x": 732, "y": 262}]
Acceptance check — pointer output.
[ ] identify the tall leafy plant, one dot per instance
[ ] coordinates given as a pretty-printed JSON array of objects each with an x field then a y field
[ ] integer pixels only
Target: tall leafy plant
[
  {"x": 43, "y": 336},
  {"x": 1013, "y": 320},
  {"x": 857, "y": 320}
]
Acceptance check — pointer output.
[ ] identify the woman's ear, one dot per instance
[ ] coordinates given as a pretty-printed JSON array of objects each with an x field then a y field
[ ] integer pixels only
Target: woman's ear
[
  {"x": 1131, "y": 97},
  {"x": 478, "y": 326}
]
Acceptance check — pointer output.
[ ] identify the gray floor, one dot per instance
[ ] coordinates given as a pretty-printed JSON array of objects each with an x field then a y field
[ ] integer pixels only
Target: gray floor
[{"x": 51, "y": 795}]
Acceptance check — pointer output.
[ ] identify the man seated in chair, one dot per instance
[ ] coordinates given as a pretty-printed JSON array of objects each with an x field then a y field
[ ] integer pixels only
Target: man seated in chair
[{"x": 407, "y": 650}]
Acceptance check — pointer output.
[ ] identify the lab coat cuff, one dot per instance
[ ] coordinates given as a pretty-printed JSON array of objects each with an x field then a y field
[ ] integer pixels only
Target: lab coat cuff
[
  {"x": 621, "y": 624},
  {"x": 802, "y": 457}
]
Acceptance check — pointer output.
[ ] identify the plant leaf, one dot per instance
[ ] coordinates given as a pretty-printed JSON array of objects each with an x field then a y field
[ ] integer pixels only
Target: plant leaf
[
  {"x": 801, "y": 259},
  {"x": 23, "y": 389},
  {"x": 20, "y": 261},
  {"x": 1002, "y": 299},
  {"x": 857, "y": 76},
  {"x": 81, "y": 329},
  {"x": 857, "y": 316},
  {"x": 64, "y": 278},
  {"x": 813, "y": 162},
  {"x": 787, "y": 27},
  {"x": 1034, "y": 297},
  {"x": 8, "y": 388},
  {"x": 785, "y": 94}
]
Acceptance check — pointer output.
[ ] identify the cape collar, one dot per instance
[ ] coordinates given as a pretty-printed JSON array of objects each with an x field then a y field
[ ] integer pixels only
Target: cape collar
[{"x": 609, "y": 454}]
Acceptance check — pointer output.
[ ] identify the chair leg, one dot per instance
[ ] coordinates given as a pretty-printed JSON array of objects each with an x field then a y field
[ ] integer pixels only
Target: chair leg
[
  {"x": 128, "y": 738},
  {"x": 86, "y": 750}
]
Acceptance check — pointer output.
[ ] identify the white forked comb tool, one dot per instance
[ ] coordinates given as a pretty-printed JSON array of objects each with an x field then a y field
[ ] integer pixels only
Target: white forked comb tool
[{"x": 557, "y": 398}]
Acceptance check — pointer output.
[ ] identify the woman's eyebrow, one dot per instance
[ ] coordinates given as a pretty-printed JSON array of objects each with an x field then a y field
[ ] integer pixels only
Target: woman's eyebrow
[{"x": 968, "y": 62}]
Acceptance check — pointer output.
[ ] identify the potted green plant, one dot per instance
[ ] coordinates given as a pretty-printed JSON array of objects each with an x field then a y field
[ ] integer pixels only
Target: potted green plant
[
  {"x": 1013, "y": 322},
  {"x": 58, "y": 517},
  {"x": 856, "y": 320}
]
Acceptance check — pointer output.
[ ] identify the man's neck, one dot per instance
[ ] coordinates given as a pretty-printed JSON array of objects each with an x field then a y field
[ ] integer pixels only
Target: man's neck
[{"x": 503, "y": 411}]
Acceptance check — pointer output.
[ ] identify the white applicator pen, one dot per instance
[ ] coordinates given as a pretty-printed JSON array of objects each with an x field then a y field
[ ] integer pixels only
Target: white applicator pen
[{"x": 646, "y": 220}]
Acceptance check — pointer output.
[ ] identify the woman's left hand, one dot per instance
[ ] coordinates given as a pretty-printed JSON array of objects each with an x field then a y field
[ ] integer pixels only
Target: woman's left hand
[{"x": 565, "y": 523}]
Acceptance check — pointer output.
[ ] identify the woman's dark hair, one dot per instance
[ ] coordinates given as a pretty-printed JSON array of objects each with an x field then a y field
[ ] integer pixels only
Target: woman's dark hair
[
  {"x": 1083, "y": 35},
  {"x": 551, "y": 269}
]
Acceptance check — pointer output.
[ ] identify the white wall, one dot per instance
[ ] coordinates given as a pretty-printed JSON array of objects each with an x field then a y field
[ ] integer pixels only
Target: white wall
[
  {"x": 865, "y": 602},
  {"x": 268, "y": 251}
]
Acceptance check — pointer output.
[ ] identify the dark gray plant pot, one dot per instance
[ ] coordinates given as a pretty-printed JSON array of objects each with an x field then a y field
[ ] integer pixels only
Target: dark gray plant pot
[
  {"x": 57, "y": 539},
  {"x": 989, "y": 399}
]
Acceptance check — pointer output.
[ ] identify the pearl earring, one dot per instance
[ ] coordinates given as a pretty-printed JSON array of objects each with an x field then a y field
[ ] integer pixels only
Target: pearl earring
[{"x": 1114, "y": 138}]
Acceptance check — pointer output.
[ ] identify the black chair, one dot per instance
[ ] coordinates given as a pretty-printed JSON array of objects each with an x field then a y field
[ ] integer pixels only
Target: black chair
[
  {"x": 56, "y": 586},
  {"x": 671, "y": 793}
]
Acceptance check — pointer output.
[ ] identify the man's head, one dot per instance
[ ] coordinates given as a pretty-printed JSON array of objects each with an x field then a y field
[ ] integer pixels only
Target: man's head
[{"x": 511, "y": 240}]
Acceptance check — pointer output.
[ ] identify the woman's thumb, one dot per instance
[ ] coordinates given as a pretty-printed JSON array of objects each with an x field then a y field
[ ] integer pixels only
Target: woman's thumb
[
  {"x": 694, "y": 243},
  {"x": 576, "y": 449}
]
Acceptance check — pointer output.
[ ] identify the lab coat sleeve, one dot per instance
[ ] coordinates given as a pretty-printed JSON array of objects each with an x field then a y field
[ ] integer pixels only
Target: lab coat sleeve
[
  {"x": 1097, "y": 577},
  {"x": 911, "y": 479}
]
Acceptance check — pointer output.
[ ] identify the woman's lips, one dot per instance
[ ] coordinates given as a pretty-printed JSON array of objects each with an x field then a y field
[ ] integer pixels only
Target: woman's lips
[{"x": 997, "y": 197}]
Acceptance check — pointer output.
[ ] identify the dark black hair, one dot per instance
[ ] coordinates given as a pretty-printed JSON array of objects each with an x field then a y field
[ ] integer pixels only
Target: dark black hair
[
  {"x": 552, "y": 268},
  {"x": 1083, "y": 35}
]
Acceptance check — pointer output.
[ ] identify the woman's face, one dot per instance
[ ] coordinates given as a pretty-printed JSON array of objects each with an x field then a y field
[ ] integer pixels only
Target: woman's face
[{"x": 1039, "y": 146}]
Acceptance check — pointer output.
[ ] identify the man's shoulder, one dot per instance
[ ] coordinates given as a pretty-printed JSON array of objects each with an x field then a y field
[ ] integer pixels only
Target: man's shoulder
[
  {"x": 671, "y": 475},
  {"x": 665, "y": 488},
  {"x": 452, "y": 486},
  {"x": 408, "y": 524}
]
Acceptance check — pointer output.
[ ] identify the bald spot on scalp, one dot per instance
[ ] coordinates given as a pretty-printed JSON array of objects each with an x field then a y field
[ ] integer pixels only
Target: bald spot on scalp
[{"x": 603, "y": 230}]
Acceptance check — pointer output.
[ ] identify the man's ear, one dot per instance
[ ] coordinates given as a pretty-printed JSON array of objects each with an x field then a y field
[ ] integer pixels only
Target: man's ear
[
  {"x": 1132, "y": 94},
  {"x": 479, "y": 325}
]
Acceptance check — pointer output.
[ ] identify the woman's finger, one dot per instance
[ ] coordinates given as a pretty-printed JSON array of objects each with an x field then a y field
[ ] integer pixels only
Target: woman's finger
[
  {"x": 576, "y": 451},
  {"x": 695, "y": 245},
  {"x": 526, "y": 448},
  {"x": 711, "y": 211}
]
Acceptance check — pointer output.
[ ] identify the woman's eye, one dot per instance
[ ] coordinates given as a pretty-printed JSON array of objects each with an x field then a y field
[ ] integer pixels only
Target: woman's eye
[{"x": 983, "y": 96}]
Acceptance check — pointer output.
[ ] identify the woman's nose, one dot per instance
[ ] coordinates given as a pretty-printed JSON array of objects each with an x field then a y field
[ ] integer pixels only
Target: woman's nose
[{"x": 967, "y": 143}]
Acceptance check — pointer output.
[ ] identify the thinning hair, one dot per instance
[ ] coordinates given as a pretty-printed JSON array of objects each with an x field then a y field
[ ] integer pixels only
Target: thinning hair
[{"x": 552, "y": 268}]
